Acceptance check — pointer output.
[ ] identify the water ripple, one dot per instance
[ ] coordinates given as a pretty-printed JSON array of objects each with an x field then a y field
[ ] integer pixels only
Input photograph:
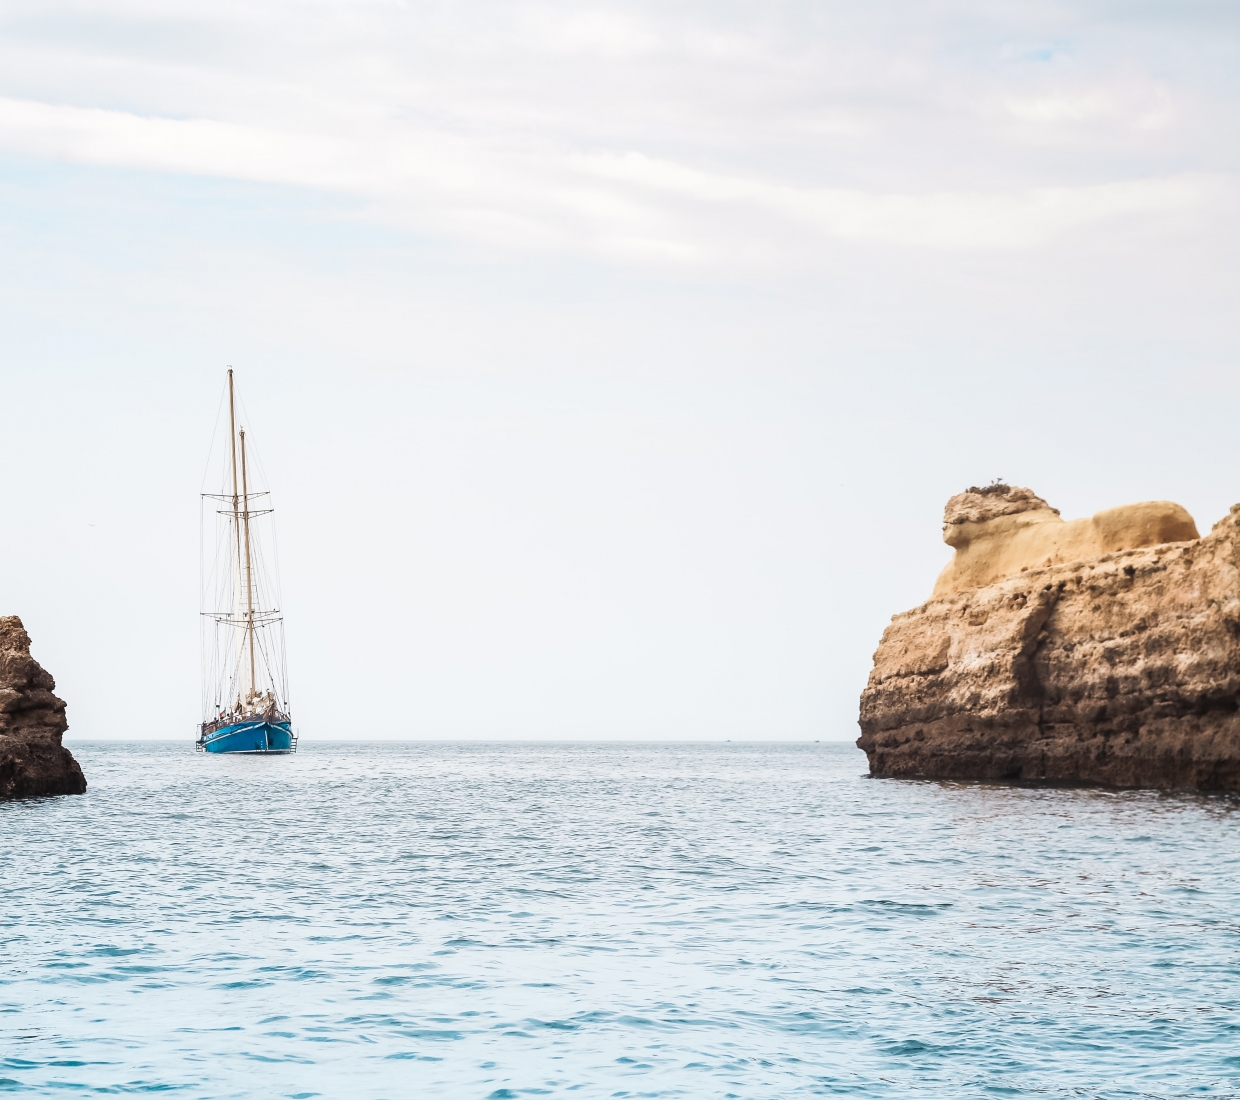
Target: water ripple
[{"x": 610, "y": 921}]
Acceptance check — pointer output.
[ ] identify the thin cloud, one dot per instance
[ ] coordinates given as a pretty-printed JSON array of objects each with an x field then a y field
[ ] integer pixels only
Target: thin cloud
[
  {"x": 444, "y": 186},
  {"x": 637, "y": 133}
]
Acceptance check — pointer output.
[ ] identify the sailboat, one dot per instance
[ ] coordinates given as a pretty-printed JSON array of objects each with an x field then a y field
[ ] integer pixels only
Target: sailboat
[{"x": 245, "y": 676}]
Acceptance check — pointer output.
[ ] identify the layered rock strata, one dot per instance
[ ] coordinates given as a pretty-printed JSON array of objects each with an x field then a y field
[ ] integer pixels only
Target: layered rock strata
[
  {"x": 1120, "y": 669},
  {"x": 32, "y": 722}
]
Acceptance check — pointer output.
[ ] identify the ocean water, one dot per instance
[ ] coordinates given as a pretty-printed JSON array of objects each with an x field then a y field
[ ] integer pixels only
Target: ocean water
[{"x": 616, "y": 920}]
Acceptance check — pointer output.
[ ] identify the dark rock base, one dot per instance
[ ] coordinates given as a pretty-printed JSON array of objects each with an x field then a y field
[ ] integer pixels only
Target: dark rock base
[
  {"x": 1187, "y": 755},
  {"x": 30, "y": 769}
]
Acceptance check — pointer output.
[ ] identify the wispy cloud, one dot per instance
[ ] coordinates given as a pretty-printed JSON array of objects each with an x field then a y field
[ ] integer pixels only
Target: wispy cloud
[
  {"x": 943, "y": 219},
  {"x": 631, "y": 132}
]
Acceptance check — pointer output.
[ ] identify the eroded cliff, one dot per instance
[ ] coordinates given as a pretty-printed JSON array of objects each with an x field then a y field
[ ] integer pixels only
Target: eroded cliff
[
  {"x": 1120, "y": 669},
  {"x": 32, "y": 722}
]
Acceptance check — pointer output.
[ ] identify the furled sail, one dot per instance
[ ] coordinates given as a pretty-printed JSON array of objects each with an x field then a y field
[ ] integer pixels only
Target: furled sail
[{"x": 245, "y": 675}]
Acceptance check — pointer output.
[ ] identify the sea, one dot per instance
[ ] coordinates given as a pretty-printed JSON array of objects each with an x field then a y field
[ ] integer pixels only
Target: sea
[{"x": 392, "y": 920}]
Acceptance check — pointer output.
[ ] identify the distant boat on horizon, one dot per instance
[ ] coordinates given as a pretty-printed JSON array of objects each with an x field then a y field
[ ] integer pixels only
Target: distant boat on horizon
[{"x": 244, "y": 669}]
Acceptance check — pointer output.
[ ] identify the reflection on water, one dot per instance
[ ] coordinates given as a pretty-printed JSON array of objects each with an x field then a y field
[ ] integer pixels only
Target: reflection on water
[{"x": 610, "y": 920}]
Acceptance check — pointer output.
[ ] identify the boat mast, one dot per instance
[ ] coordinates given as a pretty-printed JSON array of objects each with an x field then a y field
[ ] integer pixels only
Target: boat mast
[
  {"x": 232, "y": 436},
  {"x": 249, "y": 571}
]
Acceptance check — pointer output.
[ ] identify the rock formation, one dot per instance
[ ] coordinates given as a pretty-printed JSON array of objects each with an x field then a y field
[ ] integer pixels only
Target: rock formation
[
  {"x": 1000, "y": 530},
  {"x": 32, "y": 722},
  {"x": 1099, "y": 651}
]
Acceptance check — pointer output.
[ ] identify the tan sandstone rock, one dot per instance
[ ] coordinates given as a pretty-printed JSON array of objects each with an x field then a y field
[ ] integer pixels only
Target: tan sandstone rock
[
  {"x": 32, "y": 722},
  {"x": 1119, "y": 666},
  {"x": 1001, "y": 530}
]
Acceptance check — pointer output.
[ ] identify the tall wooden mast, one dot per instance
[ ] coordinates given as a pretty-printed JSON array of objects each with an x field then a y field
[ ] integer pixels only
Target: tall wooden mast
[
  {"x": 232, "y": 439},
  {"x": 249, "y": 569}
]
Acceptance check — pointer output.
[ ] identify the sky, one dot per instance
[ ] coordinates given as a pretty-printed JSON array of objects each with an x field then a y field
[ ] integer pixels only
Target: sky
[{"x": 610, "y": 364}]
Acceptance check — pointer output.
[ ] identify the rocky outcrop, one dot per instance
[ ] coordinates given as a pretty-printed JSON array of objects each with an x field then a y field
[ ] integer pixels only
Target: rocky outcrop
[
  {"x": 1122, "y": 668},
  {"x": 1001, "y": 530},
  {"x": 32, "y": 722}
]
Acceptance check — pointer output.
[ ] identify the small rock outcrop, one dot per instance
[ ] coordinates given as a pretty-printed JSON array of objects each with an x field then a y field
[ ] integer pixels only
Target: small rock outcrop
[
  {"x": 33, "y": 761},
  {"x": 1102, "y": 651}
]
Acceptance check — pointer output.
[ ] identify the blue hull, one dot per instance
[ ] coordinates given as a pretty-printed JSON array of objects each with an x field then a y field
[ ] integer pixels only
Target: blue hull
[{"x": 252, "y": 737}]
